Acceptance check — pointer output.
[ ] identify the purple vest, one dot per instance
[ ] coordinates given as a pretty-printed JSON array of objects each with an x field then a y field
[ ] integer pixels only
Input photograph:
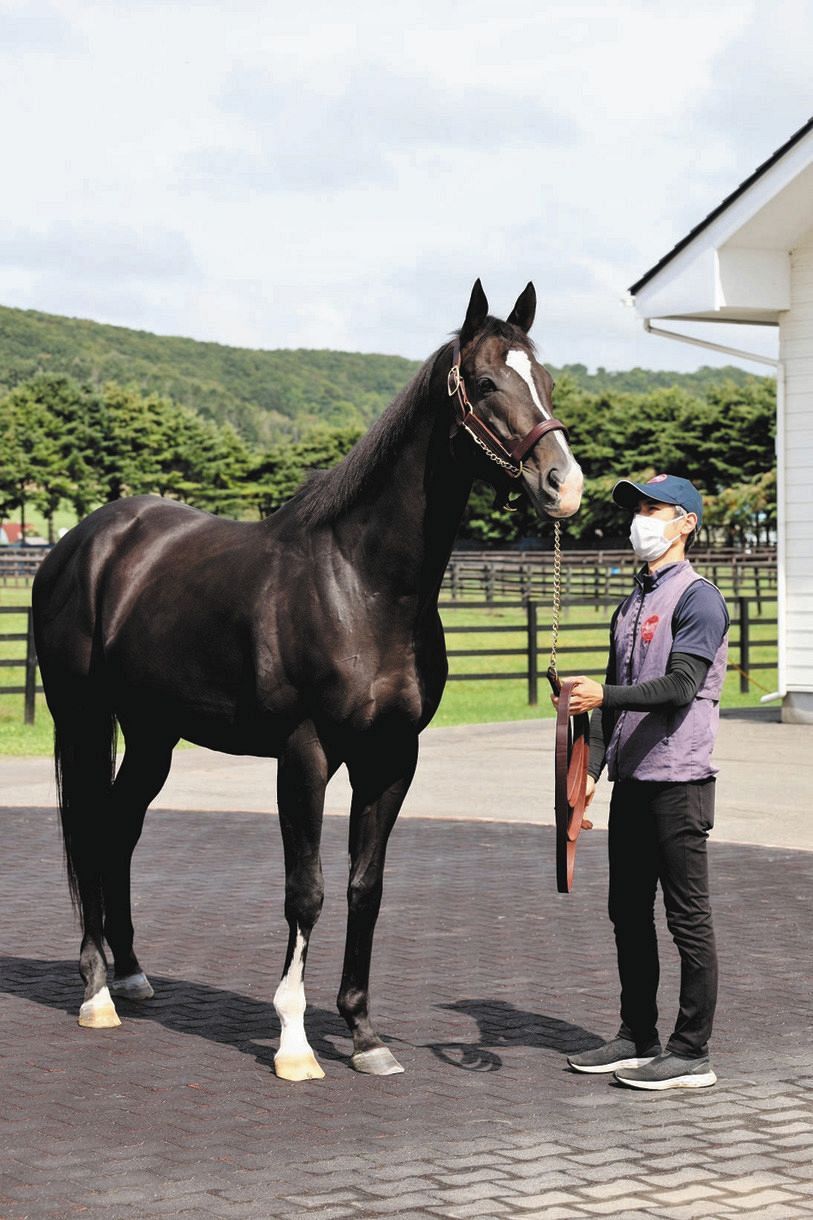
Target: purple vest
[{"x": 666, "y": 744}]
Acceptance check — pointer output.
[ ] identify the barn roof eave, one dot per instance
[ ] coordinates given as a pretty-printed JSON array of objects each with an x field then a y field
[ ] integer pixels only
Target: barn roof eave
[{"x": 718, "y": 211}]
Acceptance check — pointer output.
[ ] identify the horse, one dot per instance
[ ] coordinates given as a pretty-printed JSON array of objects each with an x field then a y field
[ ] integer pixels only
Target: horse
[{"x": 312, "y": 636}]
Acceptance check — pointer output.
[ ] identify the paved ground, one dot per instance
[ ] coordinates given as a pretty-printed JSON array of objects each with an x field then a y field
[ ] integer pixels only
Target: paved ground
[
  {"x": 483, "y": 979},
  {"x": 504, "y": 772}
]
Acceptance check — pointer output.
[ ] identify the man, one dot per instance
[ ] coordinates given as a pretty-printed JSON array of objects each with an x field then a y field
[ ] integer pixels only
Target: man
[{"x": 655, "y": 725}]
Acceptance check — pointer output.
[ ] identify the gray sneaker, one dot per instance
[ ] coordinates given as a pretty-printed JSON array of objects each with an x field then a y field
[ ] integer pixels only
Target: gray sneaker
[
  {"x": 668, "y": 1071},
  {"x": 620, "y": 1053}
]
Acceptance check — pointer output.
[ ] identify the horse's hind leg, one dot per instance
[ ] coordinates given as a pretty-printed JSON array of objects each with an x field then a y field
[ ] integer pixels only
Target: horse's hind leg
[
  {"x": 301, "y": 781},
  {"x": 141, "y": 777},
  {"x": 380, "y": 775}
]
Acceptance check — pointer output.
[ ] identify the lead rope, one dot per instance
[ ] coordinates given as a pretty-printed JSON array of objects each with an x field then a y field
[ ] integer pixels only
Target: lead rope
[{"x": 557, "y": 596}]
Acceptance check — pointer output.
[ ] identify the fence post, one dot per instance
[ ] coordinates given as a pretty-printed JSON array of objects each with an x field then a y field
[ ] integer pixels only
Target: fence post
[
  {"x": 30, "y": 670},
  {"x": 533, "y": 690},
  {"x": 744, "y": 644}
]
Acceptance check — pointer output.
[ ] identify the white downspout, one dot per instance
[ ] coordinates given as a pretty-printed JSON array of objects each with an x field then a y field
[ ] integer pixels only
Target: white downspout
[{"x": 780, "y": 481}]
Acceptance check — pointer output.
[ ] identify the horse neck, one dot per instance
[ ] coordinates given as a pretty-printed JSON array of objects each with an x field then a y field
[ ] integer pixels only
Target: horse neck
[{"x": 405, "y": 532}]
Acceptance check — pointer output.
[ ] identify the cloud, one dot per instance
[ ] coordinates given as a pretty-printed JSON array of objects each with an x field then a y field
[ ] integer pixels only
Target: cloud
[
  {"x": 304, "y": 136},
  {"x": 35, "y": 27},
  {"x": 259, "y": 175},
  {"x": 760, "y": 93},
  {"x": 113, "y": 252}
]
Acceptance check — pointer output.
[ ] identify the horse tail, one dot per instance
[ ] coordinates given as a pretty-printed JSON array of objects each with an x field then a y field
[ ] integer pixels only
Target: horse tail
[{"x": 85, "y": 762}]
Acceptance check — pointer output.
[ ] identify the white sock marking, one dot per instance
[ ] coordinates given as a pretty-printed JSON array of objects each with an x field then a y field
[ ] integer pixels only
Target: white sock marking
[
  {"x": 520, "y": 362},
  {"x": 289, "y": 1001},
  {"x": 102, "y": 999}
]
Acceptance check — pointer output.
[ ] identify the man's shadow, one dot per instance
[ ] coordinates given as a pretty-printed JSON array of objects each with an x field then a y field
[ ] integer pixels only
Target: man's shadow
[
  {"x": 250, "y": 1025},
  {"x": 500, "y": 1024}
]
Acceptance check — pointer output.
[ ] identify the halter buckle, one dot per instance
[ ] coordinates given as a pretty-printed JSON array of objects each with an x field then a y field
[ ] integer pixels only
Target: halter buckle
[{"x": 453, "y": 380}]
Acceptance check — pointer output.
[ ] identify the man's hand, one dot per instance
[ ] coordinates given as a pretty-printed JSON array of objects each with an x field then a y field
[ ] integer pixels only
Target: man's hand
[
  {"x": 586, "y": 695},
  {"x": 589, "y": 793}
]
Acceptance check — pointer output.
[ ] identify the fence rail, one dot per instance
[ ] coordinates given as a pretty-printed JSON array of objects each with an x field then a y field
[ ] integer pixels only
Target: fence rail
[
  {"x": 528, "y": 624},
  {"x": 18, "y": 565},
  {"x": 528, "y": 613},
  {"x": 593, "y": 574},
  {"x": 523, "y": 573},
  {"x": 29, "y": 687}
]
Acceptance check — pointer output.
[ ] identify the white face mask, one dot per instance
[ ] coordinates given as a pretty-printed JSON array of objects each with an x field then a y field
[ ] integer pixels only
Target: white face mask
[{"x": 648, "y": 539}]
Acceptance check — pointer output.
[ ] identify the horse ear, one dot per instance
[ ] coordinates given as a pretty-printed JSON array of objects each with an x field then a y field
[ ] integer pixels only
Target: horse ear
[
  {"x": 476, "y": 314},
  {"x": 523, "y": 313}
]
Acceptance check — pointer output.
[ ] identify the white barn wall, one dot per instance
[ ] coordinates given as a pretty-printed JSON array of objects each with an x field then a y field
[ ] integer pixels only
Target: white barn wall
[{"x": 796, "y": 355}]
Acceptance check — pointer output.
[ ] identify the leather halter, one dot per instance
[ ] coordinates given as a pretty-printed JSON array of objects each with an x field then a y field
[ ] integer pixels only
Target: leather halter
[
  {"x": 510, "y": 460},
  {"x": 572, "y": 756}
]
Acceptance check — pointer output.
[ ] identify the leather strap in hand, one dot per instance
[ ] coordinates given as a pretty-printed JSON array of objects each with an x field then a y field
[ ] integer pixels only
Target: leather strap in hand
[{"x": 572, "y": 757}]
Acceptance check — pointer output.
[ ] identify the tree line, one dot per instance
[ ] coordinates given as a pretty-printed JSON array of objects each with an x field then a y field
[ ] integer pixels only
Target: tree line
[
  {"x": 267, "y": 395},
  {"x": 63, "y": 442},
  {"x": 720, "y": 435}
]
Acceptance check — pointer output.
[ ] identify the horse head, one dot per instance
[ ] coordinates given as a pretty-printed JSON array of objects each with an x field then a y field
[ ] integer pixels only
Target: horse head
[{"x": 502, "y": 398}]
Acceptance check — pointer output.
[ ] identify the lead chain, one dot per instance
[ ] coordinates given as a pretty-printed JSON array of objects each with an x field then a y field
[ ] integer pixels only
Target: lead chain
[
  {"x": 509, "y": 467},
  {"x": 557, "y": 592}
]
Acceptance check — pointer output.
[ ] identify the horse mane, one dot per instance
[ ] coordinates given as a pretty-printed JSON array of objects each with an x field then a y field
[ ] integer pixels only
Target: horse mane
[{"x": 326, "y": 494}]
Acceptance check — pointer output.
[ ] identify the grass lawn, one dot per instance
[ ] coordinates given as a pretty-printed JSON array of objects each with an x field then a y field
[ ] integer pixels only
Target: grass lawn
[{"x": 466, "y": 702}]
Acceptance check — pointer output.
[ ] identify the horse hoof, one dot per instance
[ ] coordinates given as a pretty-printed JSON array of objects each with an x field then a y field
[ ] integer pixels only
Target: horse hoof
[
  {"x": 133, "y": 987},
  {"x": 298, "y": 1067},
  {"x": 377, "y": 1062},
  {"x": 99, "y": 1012}
]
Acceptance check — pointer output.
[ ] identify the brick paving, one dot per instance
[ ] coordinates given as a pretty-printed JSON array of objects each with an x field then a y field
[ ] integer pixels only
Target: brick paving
[{"x": 483, "y": 979}]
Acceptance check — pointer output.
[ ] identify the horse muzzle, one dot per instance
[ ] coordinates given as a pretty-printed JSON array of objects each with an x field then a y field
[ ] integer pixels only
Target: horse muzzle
[{"x": 553, "y": 493}]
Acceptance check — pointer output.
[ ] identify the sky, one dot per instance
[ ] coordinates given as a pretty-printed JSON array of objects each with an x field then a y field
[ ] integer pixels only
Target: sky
[{"x": 336, "y": 175}]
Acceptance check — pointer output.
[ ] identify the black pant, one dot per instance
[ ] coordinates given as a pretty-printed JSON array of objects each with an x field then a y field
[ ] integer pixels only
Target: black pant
[{"x": 658, "y": 833}]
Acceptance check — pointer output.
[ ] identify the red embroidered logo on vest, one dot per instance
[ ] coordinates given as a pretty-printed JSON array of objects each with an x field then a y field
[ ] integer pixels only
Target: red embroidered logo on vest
[{"x": 648, "y": 627}]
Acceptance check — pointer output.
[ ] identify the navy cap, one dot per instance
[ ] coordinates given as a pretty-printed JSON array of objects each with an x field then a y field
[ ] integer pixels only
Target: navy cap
[{"x": 666, "y": 488}]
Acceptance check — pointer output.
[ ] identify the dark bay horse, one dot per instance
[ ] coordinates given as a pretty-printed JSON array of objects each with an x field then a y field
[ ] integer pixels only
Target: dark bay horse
[{"x": 312, "y": 636}]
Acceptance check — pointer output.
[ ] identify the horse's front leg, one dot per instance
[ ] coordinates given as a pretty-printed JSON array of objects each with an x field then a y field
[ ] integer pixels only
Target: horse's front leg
[
  {"x": 301, "y": 781},
  {"x": 380, "y": 773}
]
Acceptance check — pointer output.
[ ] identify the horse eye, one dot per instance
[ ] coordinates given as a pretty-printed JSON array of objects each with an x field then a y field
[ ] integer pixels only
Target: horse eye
[{"x": 485, "y": 386}]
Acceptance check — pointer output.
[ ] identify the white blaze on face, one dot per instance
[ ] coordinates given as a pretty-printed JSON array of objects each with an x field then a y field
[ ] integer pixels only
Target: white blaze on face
[
  {"x": 289, "y": 1001},
  {"x": 520, "y": 362}
]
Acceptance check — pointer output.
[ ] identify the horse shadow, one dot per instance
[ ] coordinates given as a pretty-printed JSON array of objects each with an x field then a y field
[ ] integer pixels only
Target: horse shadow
[
  {"x": 249, "y": 1024},
  {"x": 246, "y": 1023},
  {"x": 501, "y": 1024}
]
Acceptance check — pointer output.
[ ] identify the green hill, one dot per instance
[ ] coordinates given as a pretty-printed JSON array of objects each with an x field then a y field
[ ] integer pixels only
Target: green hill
[{"x": 267, "y": 395}]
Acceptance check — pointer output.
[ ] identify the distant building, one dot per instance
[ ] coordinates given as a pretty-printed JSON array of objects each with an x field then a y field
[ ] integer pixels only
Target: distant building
[
  {"x": 751, "y": 261},
  {"x": 10, "y": 533}
]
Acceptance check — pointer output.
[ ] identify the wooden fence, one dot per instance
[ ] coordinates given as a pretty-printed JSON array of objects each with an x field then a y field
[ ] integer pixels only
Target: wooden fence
[
  {"x": 18, "y": 564},
  {"x": 507, "y": 574},
  {"x": 26, "y": 662},
  {"x": 528, "y": 615},
  {"x": 488, "y": 575},
  {"x": 529, "y": 622}
]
